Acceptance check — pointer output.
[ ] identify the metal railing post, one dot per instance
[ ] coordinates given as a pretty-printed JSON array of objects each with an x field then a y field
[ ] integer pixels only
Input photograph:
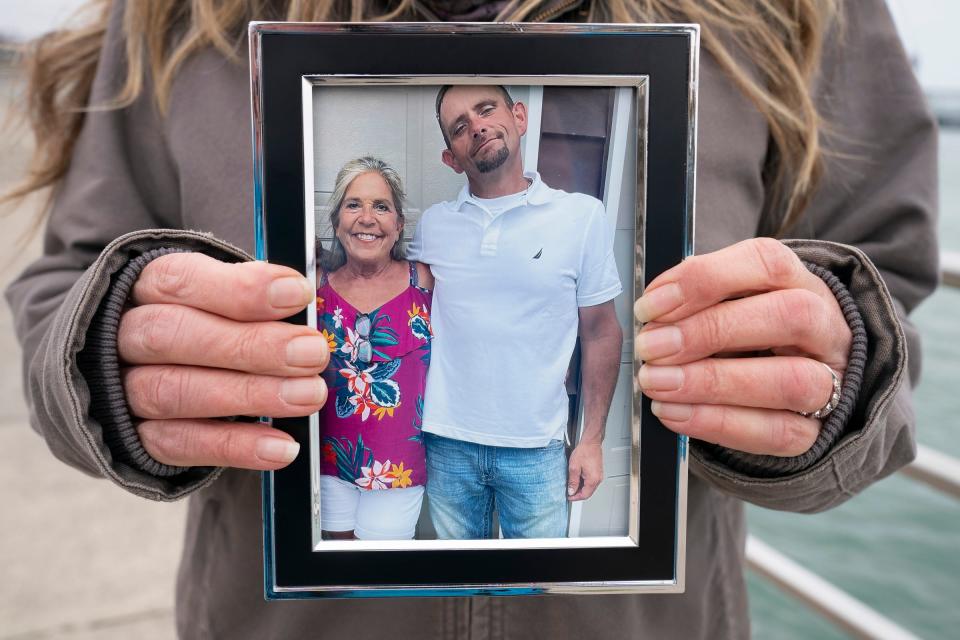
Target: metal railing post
[
  {"x": 936, "y": 470},
  {"x": 826, "y": 600},
  {"x": 950, "y": 268}
]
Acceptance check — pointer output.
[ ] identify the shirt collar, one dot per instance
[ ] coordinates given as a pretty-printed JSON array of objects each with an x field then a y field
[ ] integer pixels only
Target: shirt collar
[{"x": 537, "y": 193}]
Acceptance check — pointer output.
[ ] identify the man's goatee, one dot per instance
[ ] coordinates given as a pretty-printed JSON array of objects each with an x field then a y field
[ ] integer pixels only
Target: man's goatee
[{"x": 488, "y": 165}]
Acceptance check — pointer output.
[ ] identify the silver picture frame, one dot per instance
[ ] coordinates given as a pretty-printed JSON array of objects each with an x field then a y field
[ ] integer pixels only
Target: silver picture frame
[{"x": 288, "y": 557}]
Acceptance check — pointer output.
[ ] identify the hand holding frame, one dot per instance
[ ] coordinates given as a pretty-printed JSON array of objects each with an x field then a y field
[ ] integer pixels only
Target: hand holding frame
[
  {"x": 203, "y": 340},
  {"x": 734, "y": 346}
]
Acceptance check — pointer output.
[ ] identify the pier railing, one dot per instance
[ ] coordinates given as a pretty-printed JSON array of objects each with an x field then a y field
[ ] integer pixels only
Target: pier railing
[
  {"x": 933, "y": 468},
  {"x": 950, "y": 268}
]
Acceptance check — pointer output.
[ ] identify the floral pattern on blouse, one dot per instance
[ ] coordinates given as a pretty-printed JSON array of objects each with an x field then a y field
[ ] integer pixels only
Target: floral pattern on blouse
[{"x": 371, "y": 425}]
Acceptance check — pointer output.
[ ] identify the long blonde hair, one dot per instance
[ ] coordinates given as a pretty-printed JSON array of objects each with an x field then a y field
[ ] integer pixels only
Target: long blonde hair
[{"x": 781, "y": 39}]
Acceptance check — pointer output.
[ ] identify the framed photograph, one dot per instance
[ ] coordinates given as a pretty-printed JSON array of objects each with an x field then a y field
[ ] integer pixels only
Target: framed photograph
[{"x": 477, "y": 205}]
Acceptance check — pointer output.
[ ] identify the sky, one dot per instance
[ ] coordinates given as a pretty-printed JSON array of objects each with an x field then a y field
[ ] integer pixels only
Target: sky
[
  {"x": 928, "y": 28},
  {"x": 25, "y": 19},
  {"x": 929, "y": 31}
]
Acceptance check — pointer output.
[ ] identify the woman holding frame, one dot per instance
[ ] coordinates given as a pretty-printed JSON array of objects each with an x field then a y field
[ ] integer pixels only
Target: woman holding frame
[{"x": 777, "y": 80}]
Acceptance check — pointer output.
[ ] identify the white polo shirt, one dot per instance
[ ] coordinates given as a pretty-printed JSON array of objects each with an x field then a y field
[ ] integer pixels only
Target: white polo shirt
[{"x": 510, "y": 276}]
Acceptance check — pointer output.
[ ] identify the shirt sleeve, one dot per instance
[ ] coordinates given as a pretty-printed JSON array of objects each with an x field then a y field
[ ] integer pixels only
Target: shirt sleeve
[
  {"x": 120, "y": 188},
  {"x": 872, "y": 224},
  {"x": 598, "y": 281}
]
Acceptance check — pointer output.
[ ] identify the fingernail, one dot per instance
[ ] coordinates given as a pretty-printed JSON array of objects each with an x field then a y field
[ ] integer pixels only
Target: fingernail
[
  {"x": 656, "y": 378},
  {"x": 303, "y": 391},
  {"x": 307, "y": 351},
  {"x": 290, "y": 292},
  {"x": 658, "y": 343},
  {"x": 571, "y": 491},
  {"x": 671, "y": 410},
  {"x": 653, "y": 304},
  {"x": 277, "y": 449}
]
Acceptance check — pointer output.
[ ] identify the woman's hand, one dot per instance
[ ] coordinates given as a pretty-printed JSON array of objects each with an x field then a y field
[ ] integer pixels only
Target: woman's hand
[
  {"x": 734, "y": 347},
  {"x": 203, "y": 340}
]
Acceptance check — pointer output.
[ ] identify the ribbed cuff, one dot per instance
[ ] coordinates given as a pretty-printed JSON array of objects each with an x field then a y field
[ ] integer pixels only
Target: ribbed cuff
[
  {"x": 833, "y": 428},
  {"x": 100, "y": 364}
]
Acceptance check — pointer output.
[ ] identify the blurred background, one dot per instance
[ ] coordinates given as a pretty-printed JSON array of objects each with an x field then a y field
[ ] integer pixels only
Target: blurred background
[{"x": 83, "y": 560}]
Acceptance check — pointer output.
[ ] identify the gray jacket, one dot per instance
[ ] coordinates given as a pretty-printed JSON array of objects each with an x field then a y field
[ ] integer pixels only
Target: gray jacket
[{"x": 133, "y": 173}]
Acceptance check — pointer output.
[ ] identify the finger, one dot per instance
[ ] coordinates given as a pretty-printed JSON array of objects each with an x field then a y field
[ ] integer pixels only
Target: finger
[
  {"x": 748, "y": 267},
  {"x": 175, "y": 334},
  {"x": 794, "y": 319},
  {"x": 587, "y": 488},
  {"x": 762, "y": 431},
  {"x": 217, "y": 443},
  {"x": 161, "y": 392},
  {"x": 790, "y": 383},
  {"x": 582, "y": 483},
  {"x": 573, "y": 478},
  {"x": 242, "y": 291}
]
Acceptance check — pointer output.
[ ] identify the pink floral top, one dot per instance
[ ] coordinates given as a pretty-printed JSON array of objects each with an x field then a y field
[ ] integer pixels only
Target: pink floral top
[{"x": 370, "y": 426}]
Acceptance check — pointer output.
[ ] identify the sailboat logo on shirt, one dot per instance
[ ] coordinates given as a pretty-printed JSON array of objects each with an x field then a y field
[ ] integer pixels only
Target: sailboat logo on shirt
[{"x": 539, "y": 253}]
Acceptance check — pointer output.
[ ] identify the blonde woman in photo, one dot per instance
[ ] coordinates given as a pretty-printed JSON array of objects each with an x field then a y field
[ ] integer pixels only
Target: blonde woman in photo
[{"x": 373, "y": 308}]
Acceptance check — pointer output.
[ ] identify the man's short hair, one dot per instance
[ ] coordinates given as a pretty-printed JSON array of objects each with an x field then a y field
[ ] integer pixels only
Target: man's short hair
[{"x": 443, "y": 92}]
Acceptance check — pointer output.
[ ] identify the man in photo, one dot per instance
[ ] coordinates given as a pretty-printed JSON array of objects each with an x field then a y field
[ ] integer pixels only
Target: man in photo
[{"x": 520, "y": 269}]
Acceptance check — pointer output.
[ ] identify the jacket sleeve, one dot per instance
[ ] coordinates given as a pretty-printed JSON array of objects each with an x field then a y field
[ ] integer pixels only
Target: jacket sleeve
[
  {"x": 872, "y": 224},
  {"x": 121, "y": 184}
]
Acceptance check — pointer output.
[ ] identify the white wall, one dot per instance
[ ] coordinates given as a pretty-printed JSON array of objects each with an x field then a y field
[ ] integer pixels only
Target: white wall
[{"x": 394, "y": 123}]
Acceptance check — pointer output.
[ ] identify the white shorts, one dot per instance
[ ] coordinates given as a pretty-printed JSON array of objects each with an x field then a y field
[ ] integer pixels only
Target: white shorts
[{"x": 383, "y": 514}]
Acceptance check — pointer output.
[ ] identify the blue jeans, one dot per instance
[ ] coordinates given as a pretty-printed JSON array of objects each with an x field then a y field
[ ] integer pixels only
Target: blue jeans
[{"x": 467, "y": 481}]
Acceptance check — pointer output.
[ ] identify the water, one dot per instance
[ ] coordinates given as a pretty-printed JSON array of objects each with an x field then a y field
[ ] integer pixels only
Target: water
[{"x": 894, "y": 546}]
